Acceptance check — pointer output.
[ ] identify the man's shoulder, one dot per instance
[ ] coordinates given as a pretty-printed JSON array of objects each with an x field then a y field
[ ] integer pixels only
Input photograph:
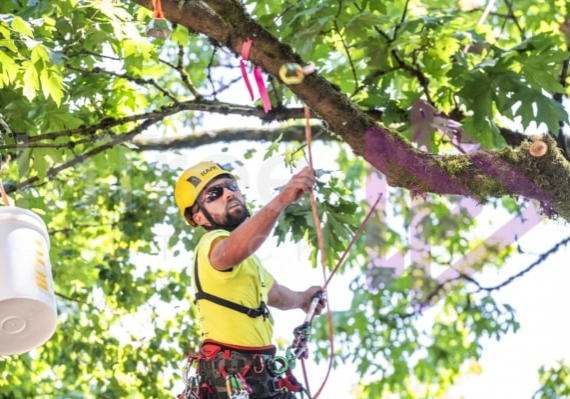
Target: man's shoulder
[
  {"x": 211, "y": 236},
  {"x": 206, "y": 243}
]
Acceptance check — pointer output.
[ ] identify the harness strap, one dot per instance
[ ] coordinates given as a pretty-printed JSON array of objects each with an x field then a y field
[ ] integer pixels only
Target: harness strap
[
  {"x": 262, "y": 310},
  {"x": 289, "y": 383}
]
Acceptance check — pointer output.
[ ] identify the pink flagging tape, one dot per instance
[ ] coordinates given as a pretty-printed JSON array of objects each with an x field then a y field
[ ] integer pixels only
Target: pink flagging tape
[
  {"x": 262, "y": 89},
  {"x": 256, "y": 74}
]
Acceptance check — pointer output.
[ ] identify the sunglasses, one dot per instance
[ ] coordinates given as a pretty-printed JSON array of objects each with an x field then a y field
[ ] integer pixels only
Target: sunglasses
[{"x": 214, "y": 192}]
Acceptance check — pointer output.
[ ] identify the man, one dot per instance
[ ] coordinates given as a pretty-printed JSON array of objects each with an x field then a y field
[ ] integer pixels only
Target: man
[{"x": 233, "y": 289}]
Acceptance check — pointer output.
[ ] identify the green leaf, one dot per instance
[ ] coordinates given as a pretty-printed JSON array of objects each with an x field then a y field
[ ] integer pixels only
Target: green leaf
[
  {"x": 40, "y": 163},
  {"x": 21, "y": 26},
  {"x": 249, "y": 153},
  {"x": 8, "y": 67},
  {"x": 478, "y": 93},
  {"x": 9, "y": 44},
  {"x": 368, "y": 20},
  {"x": 56, "y": 57},
  {"x": 535, "y": 107},
  {"x": 23, "y": 162},
  {"x": 5, "y": 32},
  {"x": 180, "y": 35},
  {"x": 52, "y": 84},
  {"x": 61, "y": 119},
  {"x": 538, "y": 71},
  {"x": 485, "y": 132},
  {"x": 31, "y": 80},
  {"x": 273, "y": 147}
]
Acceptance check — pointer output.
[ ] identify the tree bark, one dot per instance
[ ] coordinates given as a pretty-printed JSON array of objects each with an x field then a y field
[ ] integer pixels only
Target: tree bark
[
  {"x": 194, "y": 140},
  {"x": 480, "y": 175}
]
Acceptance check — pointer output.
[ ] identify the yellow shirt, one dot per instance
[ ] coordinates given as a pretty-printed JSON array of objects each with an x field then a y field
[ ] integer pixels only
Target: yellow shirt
[{"x": 244, "y": 284}]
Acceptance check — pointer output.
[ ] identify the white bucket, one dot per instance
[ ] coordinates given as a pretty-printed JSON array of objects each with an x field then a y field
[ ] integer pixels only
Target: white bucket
[{"x": 28, "y": 314}]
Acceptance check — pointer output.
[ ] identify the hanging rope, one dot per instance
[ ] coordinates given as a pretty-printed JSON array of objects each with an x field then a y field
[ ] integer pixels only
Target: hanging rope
[
  {"x": 321, "y": 247},
  {"x": 358, "y": 231},
  {"x": 320, "y": 240}
]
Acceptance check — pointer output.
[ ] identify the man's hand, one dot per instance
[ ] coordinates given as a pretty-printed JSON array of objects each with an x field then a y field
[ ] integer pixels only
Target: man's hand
[
  {"x": 308, "y": 296},
  {"x": 298, "y": 185}
]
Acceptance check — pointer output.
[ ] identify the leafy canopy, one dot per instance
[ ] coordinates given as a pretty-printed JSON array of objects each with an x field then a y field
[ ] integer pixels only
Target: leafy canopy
[{"x": 79, "y": 81}]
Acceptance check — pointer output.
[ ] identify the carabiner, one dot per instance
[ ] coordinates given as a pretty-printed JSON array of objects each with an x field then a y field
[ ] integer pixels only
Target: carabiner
[
  {"x": 256, "y": 369},
  {"x": 278, "y": 365}
]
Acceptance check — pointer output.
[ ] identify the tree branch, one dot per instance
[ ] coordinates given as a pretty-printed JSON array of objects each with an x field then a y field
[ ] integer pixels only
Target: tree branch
[
  {"x": 437, "y": 291},
  {"x": 179, "y": 67},
  {"x": 51, "y": 173},
  {"x": 479, "y": 175},
  {"x": 542, "y": 258},
  {"x": 23, "y": 140},
  {"x": 194, "y": 140},
  {"x": 128, "y": 77}
]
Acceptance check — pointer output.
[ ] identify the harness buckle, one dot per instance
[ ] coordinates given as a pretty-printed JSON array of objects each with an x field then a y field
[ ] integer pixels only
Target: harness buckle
[
  {"x": 262, "y": 310},
  {"x": 253, "y": 313},
  {"x": 275, "y": 385}
]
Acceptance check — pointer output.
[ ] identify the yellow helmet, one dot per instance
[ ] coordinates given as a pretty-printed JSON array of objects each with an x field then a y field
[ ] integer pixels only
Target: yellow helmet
[{"x": 191, "y": 183}]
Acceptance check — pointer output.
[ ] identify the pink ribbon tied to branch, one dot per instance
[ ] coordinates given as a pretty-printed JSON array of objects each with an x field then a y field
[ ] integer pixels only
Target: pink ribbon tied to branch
[{"x": 256, "y": 75}]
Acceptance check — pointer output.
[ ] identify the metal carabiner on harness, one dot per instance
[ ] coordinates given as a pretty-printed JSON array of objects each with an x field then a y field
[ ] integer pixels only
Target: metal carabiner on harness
[
  {"x": 278, "y": 365},
  {"x": 191, "y": 390},
  {"x": 191, "y": 382},
  {"x": 236, "y": 386}
]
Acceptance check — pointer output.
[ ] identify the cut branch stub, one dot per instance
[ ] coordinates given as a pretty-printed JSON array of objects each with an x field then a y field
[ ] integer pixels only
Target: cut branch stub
[{"x": 538, "y": 148}]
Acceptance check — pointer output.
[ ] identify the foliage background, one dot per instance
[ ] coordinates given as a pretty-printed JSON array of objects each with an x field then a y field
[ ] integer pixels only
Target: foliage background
[{"x": 79, "y": 83}]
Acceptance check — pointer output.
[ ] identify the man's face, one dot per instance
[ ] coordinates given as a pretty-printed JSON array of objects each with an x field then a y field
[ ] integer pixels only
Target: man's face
[{"x": 224, "y": 202}]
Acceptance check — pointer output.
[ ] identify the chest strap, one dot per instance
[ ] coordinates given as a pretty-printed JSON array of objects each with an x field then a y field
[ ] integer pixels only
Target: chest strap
[{"x": 262, "y": 310}]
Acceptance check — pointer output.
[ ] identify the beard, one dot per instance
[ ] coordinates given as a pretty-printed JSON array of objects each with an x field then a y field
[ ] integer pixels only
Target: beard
[{"x": 236, "y": 213}]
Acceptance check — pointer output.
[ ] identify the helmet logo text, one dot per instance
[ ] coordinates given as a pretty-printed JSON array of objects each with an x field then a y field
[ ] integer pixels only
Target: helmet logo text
[{"x": 206, "y": 171}]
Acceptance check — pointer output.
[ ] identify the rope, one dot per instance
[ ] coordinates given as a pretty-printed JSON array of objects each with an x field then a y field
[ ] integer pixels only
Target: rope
[
  {"x": 305, "y": 376},
  {"x": 321, "y": 246},
  {"x": 358, "y": 231},
  {"x": 320, "y": 240}
]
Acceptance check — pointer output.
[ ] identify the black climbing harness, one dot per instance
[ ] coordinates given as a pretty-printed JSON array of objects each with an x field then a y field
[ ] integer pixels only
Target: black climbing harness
[
  {"x": 262, "y": 310},
  {"x": 238, "y": 374}
]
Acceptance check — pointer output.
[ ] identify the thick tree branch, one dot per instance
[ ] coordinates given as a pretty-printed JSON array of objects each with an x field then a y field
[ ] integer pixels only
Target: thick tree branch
[
  {"x": 194, "y": 140},
  {"x": 480, "y": 175},
  {"x": 226, "y": 22},
  {"x": 23, "y": 140}
]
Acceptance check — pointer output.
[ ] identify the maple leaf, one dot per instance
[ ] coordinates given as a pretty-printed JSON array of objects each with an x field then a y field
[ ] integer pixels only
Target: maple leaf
[{"x": 426, "y": 119}]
